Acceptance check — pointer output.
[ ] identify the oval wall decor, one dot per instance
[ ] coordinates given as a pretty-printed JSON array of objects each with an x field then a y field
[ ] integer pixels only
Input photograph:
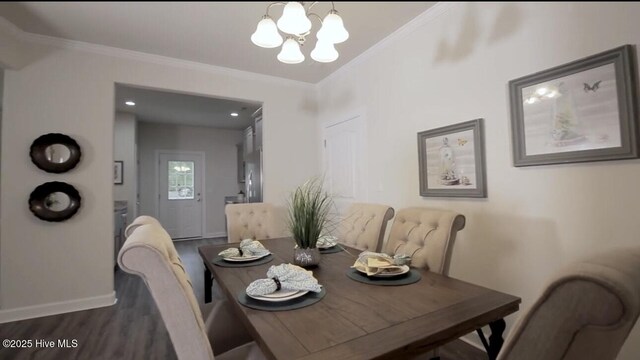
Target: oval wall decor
[
  {"x": 54, "y": 201},
  {"x": 55, "y": 153}
]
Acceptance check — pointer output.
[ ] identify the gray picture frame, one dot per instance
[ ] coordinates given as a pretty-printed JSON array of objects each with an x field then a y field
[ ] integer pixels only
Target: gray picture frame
[
  {"x": 594, "y": 146},
  {"x": 118, "y": 172},
  {"x": 434, "y": 185}
]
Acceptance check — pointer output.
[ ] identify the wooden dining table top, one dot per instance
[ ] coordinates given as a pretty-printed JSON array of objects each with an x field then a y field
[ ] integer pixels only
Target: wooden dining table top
[{"x": 356, "y": 320}]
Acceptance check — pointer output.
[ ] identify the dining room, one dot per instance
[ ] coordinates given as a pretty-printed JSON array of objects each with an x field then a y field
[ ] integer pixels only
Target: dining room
[{"x": 478, "y": 162}]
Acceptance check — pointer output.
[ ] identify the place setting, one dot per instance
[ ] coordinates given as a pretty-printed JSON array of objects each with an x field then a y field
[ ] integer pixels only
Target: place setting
[
  {"x": 381, "y": 269},
  {"x": 286, "y": 287},
  {"x": 328, "y": 244},
  {"x": 248, "y": 253}
]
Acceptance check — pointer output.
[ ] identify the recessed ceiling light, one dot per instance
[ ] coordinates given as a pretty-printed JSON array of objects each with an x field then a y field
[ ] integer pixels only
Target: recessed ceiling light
[
  {"x": 130, "y": 103},
  {"x": 234, "y": 114}
]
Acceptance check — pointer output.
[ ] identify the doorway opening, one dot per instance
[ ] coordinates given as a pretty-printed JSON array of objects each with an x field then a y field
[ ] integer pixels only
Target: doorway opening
[{"x": 181, "y": 158}]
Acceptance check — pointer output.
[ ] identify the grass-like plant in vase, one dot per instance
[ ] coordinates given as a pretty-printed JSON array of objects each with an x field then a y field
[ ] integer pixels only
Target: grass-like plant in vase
[{"x": 310, "y": 209}]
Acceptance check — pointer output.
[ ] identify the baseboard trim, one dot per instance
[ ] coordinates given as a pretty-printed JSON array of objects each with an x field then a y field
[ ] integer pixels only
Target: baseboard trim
[
  {"x": 214, "y": 235},
  {"x": 55, "y": 308}
]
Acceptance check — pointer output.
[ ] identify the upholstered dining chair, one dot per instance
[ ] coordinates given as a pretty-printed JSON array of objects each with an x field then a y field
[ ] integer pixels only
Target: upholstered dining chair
[
  {"x": 586, "y": 312},
  {"x": 256, "y": 221},
  {"x": 139, "y": 221},
  {"x": 149, "y": 253},
  {"x": 363, "y": 226},
  {"x": 427, "y": 235}
]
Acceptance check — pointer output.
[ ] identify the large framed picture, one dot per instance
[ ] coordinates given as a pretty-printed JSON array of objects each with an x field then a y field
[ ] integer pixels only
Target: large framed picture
[
  {"x": 451, "y": 160},
  {"x": 581, "y": 111}
]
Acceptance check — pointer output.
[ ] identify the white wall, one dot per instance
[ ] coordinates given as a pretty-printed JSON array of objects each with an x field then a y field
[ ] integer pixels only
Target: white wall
[
  {"x": 455, "y": 68},
  {"x": 1, "y": 86},
  {"x": 46, "y": 267},
  {"x": 124, "y": 142},
  {"x": 221, "y": 177},
  {"x": 1, "y": 101}
]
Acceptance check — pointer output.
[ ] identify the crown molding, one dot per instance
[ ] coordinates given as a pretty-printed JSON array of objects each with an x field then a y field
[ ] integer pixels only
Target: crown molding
[
  {"x": 144, "y": 57},
  {"x": 425, "y": 17}
]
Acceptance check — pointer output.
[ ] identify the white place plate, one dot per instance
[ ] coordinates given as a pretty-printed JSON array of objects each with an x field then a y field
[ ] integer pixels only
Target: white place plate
[
  {"x": 244, "y": 259},
  {"x": 281, "y": 295},
  {"x": 396, "y": 271}
]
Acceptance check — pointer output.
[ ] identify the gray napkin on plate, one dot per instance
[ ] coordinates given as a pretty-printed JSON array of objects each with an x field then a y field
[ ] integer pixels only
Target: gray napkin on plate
[
  {"x": 249, "y": 248},
  {"x": 285, "y": 277},
  {"x": 326, "y": 241}
]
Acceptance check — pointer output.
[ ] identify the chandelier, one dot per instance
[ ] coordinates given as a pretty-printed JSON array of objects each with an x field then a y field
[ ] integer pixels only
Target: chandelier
[{"x": 295, "y": 22}]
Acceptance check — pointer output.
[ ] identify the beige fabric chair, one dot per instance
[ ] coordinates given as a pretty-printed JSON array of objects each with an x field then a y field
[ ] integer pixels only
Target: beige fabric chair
[
  {"x": 587, "y": 312},
  {"x": 150, "y": 254},
  {"x": 427, "y": 235},
  {"x": 139, "y": 221},
  {"x": 364, "y": 225},
  {"x": 256, "y": 221}
]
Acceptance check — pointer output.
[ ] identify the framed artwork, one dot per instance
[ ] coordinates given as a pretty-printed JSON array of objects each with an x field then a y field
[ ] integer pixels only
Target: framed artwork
[
  {"x": 581, "y": 111},
  {"x": 451, "y": 160},
  {"x": 117, "y": 172}
]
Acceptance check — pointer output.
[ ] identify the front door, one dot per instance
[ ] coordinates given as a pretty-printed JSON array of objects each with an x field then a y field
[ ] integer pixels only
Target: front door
[{"x": 180, "y": 209}]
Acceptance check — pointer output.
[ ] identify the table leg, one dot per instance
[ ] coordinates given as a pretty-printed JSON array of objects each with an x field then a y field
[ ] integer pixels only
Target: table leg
[
  {"x": 495, "y": 342},
  {"x": 208, "y": 283}
]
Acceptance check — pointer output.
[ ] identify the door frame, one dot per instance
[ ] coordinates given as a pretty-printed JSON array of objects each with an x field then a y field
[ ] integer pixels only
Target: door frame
[{"x": 202, "y": 177}]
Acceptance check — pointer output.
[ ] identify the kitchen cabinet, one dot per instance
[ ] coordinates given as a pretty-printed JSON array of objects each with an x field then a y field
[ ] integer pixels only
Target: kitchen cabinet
[
  {"x": 240, "y": 152},
  {"x": 248, "y": 140},
  {"x": 258, "y": 134}
]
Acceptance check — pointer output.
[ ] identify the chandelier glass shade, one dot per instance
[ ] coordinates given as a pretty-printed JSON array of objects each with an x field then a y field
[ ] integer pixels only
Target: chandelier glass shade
[
  {"x": 324, "y": 52},
  {"x": 295, "y": 22},
  {"x": 290, "y": 53},
  {"x": 294, "y": 19},
  {"x": 267, "y": 35}
]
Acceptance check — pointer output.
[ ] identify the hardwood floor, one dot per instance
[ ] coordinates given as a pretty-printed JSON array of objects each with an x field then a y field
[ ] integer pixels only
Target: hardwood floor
[{"x": 132, "y": 328}]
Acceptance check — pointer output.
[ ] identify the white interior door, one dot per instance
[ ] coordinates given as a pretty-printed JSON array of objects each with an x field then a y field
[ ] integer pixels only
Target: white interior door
[
  {"x": 345, "y": 161},
  {"x": 180, "y": 180}
]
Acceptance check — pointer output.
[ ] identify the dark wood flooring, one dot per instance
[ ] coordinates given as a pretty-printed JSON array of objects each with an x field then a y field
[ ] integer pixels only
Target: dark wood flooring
[{"x": 132, "y": 328}]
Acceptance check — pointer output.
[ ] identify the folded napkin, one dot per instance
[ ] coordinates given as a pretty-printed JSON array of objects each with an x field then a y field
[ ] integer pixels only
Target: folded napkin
[
  {"x": 326, "y": 241},
  {"x": 247, "y": 248},
  {"x": 286, "y": 277},
  {"x": 374, "y": 263}
]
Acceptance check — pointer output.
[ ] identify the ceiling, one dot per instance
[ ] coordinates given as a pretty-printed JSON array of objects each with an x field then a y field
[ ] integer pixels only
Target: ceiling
[
  {"x": 173, "y": 108},
  {"x": 216, "y": 33}
]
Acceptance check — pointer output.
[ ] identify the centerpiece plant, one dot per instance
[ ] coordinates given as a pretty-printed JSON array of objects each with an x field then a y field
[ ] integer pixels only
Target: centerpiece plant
[{"x": 309, "y": 211}]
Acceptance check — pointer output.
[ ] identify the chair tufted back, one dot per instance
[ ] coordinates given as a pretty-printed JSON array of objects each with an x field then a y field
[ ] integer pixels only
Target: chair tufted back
[
  {"x": 139, "y": 221},
  {"x": 364, "y": 225},
  {"x": 149, "y": 253},
  {"x": 587, "y": 312},
  {"x": 427, "y": 235},
  {"x": 256, "y": 221}
]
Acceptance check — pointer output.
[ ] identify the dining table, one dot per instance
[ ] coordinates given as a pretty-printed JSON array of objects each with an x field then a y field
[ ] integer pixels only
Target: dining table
[{"x": 356, "y": 320}]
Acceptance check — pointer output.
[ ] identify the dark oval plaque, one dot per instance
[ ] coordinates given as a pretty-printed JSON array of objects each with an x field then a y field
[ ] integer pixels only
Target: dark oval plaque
[
  {"x": 54, "y": 201},
  {"x": 55, "y": 153}
]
